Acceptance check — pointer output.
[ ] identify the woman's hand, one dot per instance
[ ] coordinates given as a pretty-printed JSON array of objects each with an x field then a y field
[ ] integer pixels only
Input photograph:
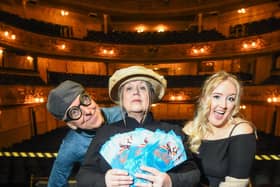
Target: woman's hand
[
  {"x": 117, "y": 177},
  {"x": 155, "y": 178}
]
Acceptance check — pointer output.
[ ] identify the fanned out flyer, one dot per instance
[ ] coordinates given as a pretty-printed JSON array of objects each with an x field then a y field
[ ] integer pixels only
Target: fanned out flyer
[{"x": 130, "y": 150}]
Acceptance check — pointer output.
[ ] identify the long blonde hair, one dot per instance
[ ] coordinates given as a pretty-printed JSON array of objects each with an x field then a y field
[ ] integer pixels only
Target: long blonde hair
[{"x": 198, "y": 128}]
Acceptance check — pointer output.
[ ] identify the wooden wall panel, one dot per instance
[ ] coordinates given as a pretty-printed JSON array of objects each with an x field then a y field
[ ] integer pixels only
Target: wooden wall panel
[
  {"x": 70, "y": 66},
  {"x": 40, "y": 118},
  {"x": 15, "y": 125},
  {"x": 95, "y": 68},
  {"x": 177, "y": 111},
  {"x": 10, "y": 137},
  {"x": 57, "y": 65},
  {"x": 14, "y": 118},
  {"x": 73, "y": 67},
  {"x": 277, "y": 127},
  {"x": 262, "y": 118}
]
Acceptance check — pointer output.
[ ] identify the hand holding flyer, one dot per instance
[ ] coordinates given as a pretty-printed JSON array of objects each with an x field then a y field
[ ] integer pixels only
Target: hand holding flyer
[{"x": 131, "y": 150}]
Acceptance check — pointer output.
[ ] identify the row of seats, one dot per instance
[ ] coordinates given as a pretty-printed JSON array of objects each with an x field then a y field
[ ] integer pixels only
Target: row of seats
[
  {"x": 22, "y": 171},
  {"x": 169, "y": 37},
  {"x": 121, "y": 37},
  {"x": 37, "y": 26},
  {"x": 26, "y": 171},
  {"x": 64, "y": 31},
  {"x": 254, "y": 28},
  {"x": 98, "y": 81}
]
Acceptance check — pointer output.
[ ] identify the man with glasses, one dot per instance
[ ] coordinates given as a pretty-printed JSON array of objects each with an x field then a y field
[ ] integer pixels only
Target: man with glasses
[{"x": 70, "y": 103}]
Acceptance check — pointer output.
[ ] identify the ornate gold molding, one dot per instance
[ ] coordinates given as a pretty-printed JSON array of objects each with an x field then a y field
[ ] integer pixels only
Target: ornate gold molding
[{"x": 51, "y": 46}]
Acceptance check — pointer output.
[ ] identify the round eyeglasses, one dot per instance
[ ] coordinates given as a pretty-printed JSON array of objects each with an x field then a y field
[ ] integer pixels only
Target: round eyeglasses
[{"x": 75, "y": 112}]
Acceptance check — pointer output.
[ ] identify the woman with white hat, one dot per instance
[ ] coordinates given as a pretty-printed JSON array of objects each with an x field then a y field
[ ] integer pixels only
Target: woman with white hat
[{"x": 135, "y": 88}]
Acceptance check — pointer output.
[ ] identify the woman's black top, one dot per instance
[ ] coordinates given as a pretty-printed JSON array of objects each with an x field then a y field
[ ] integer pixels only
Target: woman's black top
[
  {"x": 94, "y": 167},
  {"x": 232, "y": 156}
]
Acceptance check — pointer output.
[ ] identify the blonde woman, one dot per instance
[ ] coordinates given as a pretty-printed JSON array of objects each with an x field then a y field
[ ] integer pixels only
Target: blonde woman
[{"x": 223, "y": 142}]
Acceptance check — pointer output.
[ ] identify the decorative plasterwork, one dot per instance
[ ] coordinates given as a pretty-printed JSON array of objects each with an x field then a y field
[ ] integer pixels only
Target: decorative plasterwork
[{"x": 66, "y": 48}]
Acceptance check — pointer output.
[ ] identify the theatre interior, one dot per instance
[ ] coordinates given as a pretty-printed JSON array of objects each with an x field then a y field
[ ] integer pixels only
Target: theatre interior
[{"x": 43, "y": 43}]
